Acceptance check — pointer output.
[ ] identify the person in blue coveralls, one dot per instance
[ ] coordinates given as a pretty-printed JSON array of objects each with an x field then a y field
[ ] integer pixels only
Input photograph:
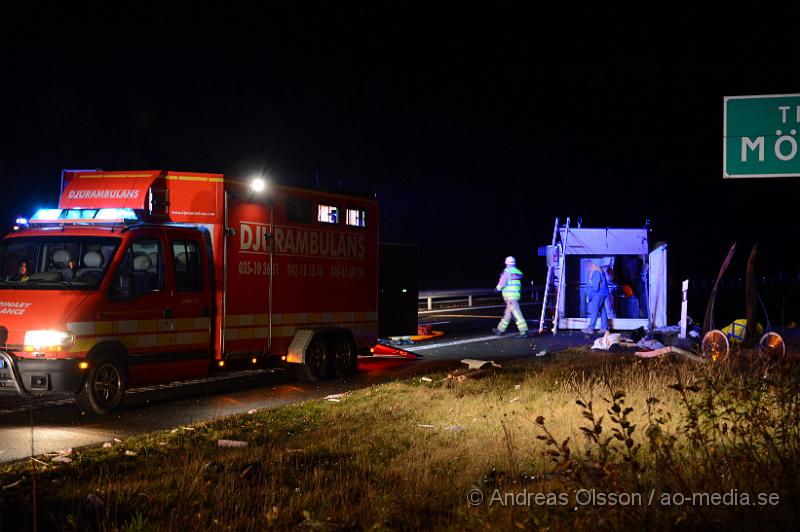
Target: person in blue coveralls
[{"x": 598, "y": 293}]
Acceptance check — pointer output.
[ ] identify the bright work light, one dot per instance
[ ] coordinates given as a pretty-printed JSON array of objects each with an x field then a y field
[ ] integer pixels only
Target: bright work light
[
  {"x": 47, "y": 340},
  {"x": 258, "y": 184}
]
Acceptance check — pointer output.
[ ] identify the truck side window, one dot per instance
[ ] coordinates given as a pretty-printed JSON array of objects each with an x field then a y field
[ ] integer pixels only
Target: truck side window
[
  {"x": 328, "y": 214},
  {"x": 188, "y": 272},
  {"x": 356, "y": 217},
  {"x": 141, "y": 271}
]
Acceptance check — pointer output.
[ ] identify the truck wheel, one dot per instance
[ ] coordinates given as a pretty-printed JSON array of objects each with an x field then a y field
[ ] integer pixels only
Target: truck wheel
[
  {"x": 315, "y": 365},
  {"x": 104, "y": 387},
  {"x": 344, "y": 356}
]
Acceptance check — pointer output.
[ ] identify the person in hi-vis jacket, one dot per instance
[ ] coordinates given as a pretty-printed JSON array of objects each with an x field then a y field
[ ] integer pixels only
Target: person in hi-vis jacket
[
  {"x": 510, "y": 285},
  {"x": 598, "y": 293}
]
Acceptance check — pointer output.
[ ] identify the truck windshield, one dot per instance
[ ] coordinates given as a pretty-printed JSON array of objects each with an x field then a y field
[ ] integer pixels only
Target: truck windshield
[{"x": 55, "y": 262}]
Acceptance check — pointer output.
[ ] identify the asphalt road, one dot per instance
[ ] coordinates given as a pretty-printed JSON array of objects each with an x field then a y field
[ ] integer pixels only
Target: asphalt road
[
  {"x": 53, "y": 425},
  {"x": 468, "y": 334}
]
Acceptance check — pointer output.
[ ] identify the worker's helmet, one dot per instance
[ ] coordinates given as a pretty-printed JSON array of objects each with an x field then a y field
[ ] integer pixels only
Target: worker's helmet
[{"x": 511, "y": 261}]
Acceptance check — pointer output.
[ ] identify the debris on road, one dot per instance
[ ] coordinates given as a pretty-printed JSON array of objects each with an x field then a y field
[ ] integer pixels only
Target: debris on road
[
  {"x": 424, "y": 332},
  {"x": 607, "y": 341},
  {"x": 61, "y": 456},
  {"x": 336, "y": 397},
  {"x": 460, "y": 374},
  {"x": 671, "y": 349},
  {"x": 480, "y": 364},
  {"x": 14, "y": 484},
  {"x": 475, "y": 369},
  {"x": 649, "y": 343},
  {"x": 232, "y": 443}
]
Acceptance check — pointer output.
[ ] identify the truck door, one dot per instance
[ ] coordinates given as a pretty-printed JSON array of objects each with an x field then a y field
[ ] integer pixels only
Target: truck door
[
  {"x": 191, "y": 294},
  {"x": 247, "y": 305},
  {"x": 657, "y": 286},
  {"x": 137, "y": 312}
]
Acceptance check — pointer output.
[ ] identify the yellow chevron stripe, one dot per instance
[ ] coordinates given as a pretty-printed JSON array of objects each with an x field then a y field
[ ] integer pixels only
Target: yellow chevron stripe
[
  {"x": 91, "y": 328},
  {"x": 148, "y": 326},
  {"x": 188, "y": 331},
  {"x": 141, "y": 341},
  {"x": 110, "y": 176},
  {"x": 314, "y": 318},
  {"x": 197, "y": 178}
]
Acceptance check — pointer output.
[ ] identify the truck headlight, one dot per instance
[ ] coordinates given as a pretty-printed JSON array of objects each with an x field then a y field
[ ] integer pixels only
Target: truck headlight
[{"x": 48, "y": 340}]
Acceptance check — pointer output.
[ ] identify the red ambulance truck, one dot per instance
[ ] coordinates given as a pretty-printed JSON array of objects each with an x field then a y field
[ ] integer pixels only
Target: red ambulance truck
[{"x": 141, "y": 277}]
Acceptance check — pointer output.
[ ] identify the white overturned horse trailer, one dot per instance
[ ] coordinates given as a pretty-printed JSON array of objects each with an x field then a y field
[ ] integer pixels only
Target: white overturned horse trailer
[{"x": 636, "y": 275}]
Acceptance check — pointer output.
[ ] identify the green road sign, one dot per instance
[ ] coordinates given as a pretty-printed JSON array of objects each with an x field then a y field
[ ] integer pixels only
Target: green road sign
[{"x": 761, "y": 135}]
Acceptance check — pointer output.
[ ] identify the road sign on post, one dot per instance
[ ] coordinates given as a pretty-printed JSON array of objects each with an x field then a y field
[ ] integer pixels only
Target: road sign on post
[{"x": 761, "y": 136}]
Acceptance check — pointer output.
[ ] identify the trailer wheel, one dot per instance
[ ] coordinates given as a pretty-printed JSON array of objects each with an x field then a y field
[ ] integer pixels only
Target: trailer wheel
[
  {"x": 315, "y": 365},
  {"x": 344, "y": 356},
  {"x": 104, "y": 387}
]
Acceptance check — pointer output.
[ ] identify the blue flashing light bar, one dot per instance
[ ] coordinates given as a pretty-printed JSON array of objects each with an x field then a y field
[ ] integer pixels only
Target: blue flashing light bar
[
  {"x": 46, "y": 214},
  {"x": 116, "y": 214},
  {"x": 75, "y": 215},
  {"x": 21, "y": 221},
  {"x": 79, "y": 214}
]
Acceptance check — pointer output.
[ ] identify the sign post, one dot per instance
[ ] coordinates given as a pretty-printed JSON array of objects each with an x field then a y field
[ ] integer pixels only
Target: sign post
[
  {"x": 760, "y": 136},
  {"x": 684, "y": 303}
]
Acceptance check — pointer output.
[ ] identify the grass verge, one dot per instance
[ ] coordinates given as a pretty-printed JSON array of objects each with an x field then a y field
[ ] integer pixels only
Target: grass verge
[{"x": 576, "y": 440}]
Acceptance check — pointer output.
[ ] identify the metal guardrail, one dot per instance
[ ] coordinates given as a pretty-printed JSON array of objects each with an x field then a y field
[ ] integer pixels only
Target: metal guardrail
[{"x": 468, "y": 294}]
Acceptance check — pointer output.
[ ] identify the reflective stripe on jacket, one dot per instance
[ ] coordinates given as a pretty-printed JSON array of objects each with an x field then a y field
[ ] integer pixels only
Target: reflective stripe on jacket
[{"x": 511, "y": 283}]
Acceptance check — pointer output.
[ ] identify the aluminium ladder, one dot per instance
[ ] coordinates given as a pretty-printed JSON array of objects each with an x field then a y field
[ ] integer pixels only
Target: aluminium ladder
[{"x": 551, "y": 301}]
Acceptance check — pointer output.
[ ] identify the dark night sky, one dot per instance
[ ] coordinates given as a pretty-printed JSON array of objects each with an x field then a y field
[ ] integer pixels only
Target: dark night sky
[{"x": 474, "y": 126}]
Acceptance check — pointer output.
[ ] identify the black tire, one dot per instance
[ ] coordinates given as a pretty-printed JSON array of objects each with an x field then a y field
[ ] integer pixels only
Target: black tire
[
  {"x": 343, "y": 355},
  {"x": 315, "y": 365},
  {"x": 104, "y": 387}
]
